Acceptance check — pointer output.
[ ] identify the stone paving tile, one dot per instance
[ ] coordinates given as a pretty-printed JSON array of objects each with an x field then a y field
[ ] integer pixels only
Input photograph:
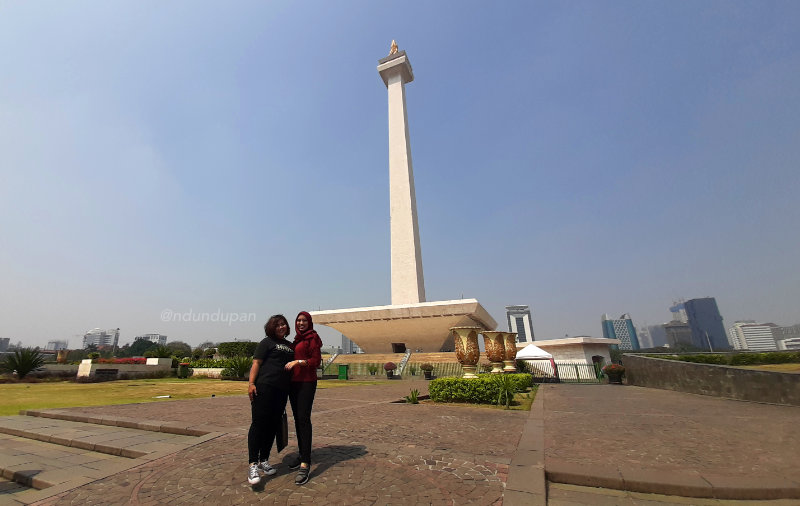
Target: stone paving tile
[
  {"x": 366, "y": 451},
  {"x": 559, "y": 494},
  {"x": 668, "y": 432},
  {"x": 370, "y": 451}
]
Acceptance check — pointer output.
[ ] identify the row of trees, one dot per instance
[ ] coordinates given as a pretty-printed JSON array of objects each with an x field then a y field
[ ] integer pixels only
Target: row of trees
[{"x": 142, "y": 348}]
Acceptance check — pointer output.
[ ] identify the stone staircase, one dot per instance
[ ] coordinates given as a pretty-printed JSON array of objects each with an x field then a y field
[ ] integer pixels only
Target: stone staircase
[
  {"x": 402, "y": 365},
  {"x": 44, "y": 453}
]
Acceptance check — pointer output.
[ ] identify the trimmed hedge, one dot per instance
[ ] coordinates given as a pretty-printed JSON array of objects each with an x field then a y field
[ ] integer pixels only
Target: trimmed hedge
[
  {"x": 237, "y": 349},
  {"x": 780, "y": 357},
  {"x": 485, "y": 389}
]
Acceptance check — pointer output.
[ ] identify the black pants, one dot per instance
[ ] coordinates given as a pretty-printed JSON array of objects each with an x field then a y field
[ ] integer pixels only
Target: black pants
[
  {"x": 301, "y": 395},
  {"x": 267, "y": 411}
]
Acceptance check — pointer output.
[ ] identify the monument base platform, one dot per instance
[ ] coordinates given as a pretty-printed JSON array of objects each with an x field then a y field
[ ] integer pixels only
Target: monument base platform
[{"x": 424, "y": 326}]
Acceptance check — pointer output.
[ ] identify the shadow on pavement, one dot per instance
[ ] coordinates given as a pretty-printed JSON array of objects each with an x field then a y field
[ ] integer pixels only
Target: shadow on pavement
[{"x": 328, "y": 456}]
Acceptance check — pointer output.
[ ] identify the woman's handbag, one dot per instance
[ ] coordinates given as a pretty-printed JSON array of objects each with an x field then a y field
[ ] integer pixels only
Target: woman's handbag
[{"x": 282, "y": 437}]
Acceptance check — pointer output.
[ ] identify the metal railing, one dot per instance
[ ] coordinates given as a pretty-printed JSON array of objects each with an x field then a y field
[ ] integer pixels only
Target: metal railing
[
  {"x": 567, "y": 372},
  {"x": 542, "y": 371},
  {"x": 402, "y": 365}
]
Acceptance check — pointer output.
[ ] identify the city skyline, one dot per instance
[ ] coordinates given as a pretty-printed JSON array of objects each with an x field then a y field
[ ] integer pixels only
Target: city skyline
[{"x": 230, "y": 161}]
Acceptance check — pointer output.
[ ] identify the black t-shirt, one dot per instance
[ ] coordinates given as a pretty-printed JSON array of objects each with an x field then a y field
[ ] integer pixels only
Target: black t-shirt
[{"x": 274, "y": 355}]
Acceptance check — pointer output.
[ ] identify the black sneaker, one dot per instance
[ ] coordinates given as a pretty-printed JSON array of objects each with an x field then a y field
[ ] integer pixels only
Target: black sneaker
[
  {"x": 302, "y": 476},
  {"x": 294, "y": 463}
]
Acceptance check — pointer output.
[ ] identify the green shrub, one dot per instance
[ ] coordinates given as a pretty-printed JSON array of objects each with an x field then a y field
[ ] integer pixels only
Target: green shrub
[
  {"x": 521, "y": 381},
  {"x": 23, "y": 361},
  {"x": 237, "y": 349},
  {"x": 781, "y": 357},
  {"x": 523, "y": 366},
  {"x": 238, "y": 367},
  {"x": 208, "y": 362},
  {"x": 505, "y": 389},
  {"x": 483, "y": 390},
  {"x": 413, "y": 397},
  {"x": 412, "y": 370}
]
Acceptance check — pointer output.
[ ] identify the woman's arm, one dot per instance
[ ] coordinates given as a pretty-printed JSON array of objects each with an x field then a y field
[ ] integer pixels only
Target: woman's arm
[
  {"x": 251, "y": 388},
  {"x": 315, "y": 359}
]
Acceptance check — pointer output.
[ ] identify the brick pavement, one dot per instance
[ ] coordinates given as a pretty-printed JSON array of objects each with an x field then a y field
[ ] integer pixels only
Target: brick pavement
[
  {"x": 367, "y": 450},
  {"x": 650, "y": 440}
]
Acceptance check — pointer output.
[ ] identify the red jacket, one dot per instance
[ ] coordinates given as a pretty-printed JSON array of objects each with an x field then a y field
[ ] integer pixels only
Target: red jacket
[{"x": 309, "y": 350}]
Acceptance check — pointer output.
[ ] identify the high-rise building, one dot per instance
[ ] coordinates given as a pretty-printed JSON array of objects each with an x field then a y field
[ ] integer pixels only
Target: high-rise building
[
  {"x": 678, "y": 333},
  {"x": 791, "y": 344},
  {"x": 519, "y": 321},
  {"x": 349, "y": 347},
  {"x": 4, "y": 343},
  {"x": 100, "y": 337},
  {"x": 645, "y": 341},
  {"x": 706, "y": 324},
  {"x": 658, "y": 335},
  {"x": 749, "y": 335},
  {"x": 787, "y": 336},
  {"x": 159, "y": 339},
  {"x": 57, "y": 345},
  {"x": 622, "y": 329},
  {"x": 678, "y": 311}
]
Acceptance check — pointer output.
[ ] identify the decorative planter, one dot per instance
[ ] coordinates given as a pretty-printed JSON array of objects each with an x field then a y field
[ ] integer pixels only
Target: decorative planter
[
  {"x": 495, "y": 351},
  {"x": 467, "y": 351},
  {"x": 183, "y": 370},
  {"x": 389, "y": 374},
  {"x": 428, "y": 374},
  {"x": 510, "y": 346},
  {"x": 614, "y": 379}
]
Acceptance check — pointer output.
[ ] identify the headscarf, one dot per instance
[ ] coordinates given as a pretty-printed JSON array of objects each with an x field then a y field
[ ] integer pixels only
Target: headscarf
[{"x": 309, "y": 332}]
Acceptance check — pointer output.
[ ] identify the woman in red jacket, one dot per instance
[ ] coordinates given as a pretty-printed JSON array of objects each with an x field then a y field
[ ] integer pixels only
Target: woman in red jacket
[{"x": 307, "y": 345}]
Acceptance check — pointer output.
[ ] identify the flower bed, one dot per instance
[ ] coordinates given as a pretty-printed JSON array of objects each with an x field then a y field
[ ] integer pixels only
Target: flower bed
[{"x": 137, "y": 360}]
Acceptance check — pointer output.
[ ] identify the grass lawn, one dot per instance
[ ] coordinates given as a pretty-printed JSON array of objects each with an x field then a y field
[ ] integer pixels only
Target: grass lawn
[
  {"x": 795, "y": 368},
  {"x": 64, "y": 394}
]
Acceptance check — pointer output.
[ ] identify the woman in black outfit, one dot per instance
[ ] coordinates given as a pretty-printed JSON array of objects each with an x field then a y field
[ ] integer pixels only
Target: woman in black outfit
[{"x": 268, "y": 391}]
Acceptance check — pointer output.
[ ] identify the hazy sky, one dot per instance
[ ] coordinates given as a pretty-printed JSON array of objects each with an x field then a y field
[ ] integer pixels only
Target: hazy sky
[{"x": 580, "y": 157}]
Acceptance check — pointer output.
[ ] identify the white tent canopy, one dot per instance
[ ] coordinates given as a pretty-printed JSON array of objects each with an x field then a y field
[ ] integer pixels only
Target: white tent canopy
[{"x": 533, "y": 352}]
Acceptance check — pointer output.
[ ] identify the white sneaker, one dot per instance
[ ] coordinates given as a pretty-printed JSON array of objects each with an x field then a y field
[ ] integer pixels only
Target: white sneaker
[
  {"x": 267, "y": 469},
  {"x": 252, "y": 475}
]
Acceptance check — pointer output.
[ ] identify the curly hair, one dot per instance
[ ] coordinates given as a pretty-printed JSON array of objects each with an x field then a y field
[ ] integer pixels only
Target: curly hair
[{"x": 271, "y": 327}]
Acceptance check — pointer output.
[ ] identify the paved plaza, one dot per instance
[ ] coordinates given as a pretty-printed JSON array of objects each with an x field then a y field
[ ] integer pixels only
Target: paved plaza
[{"x": 369, "y": 449}]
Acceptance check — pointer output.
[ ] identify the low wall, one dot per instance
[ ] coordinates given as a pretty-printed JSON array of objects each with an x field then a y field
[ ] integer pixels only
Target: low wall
[
  {"x": 210, "y": 372},
  {"x": 60, "y": 368},
  {"x": 154, "y": 365},
  {"x": 716, "y": 380}
]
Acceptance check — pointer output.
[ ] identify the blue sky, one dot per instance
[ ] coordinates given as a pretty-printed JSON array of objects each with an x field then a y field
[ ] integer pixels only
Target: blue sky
[{"x": 580, "y": 157}]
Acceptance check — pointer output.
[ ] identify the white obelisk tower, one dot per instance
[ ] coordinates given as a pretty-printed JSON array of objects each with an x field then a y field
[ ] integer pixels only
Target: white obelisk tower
[
  {"x": 408, "y": 283},
  {"x": 409, "y": 323}
]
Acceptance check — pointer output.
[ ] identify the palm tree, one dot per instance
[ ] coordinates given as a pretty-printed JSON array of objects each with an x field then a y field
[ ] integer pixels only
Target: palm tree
[{"x": 23, "y": 361}]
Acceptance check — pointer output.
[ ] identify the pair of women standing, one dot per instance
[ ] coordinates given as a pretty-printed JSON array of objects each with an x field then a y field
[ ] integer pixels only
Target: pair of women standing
[{"x": 282, "y": 369}]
